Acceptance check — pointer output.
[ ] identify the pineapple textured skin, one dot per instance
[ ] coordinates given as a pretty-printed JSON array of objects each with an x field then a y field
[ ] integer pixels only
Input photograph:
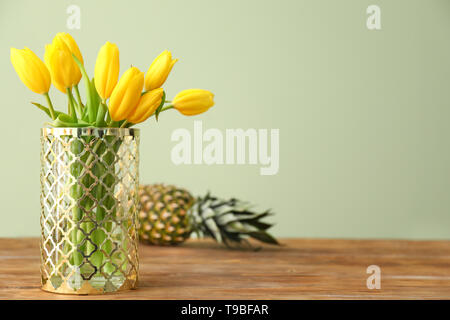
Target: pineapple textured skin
[{"x": 163, "y": 214}]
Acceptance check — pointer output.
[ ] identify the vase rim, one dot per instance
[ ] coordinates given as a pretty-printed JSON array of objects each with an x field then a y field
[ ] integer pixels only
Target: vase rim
[{"x": 89, "y": 131}]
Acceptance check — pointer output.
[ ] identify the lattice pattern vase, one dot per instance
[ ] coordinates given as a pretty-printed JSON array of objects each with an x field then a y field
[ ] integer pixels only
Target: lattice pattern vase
[{"x": 89, "y": 190}]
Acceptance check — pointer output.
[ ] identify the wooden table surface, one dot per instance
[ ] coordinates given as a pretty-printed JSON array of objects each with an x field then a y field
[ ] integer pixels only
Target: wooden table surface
[{"x": 301, "y": 269}]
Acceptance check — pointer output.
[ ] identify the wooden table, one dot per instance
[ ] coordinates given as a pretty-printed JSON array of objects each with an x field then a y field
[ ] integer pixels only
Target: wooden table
[{"x": 301, "y": 269}]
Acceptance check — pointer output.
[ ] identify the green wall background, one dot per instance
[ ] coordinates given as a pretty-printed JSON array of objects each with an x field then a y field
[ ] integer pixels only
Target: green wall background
[{"x": 363, "y": 115}]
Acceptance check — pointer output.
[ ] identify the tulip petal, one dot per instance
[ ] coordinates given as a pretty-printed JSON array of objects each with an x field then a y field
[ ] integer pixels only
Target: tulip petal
[
  {"x": 126, "y": 94},
  {"x": 148, "y": 104},
  {"x": 193, "y": 101},
  {"x": 106, "y": 71},
  {"x": 159, "y": 70},
  {"x": 31, "y": 70}
]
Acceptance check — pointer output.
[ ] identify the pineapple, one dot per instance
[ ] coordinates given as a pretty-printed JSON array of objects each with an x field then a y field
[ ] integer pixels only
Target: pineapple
[
  {"x": 163, "y": 217},
  {"x": 170, "y": 215}
]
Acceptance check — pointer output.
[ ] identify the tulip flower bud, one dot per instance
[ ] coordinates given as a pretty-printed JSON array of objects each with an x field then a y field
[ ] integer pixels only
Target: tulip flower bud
[
  {"x": 31, "y": 70},
  {"x": 159, "y": 70},
  {"x": 106, "y": 70},
  {"x": 71, "y": 44},
  {"x": 126, "y": 94},
  {"x": 147, "y": 105},
  {"x": 193, "y": 101},
  {"x": 63, "y": 68}
]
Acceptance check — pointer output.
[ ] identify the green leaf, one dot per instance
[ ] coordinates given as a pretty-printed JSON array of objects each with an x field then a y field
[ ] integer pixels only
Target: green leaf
[
  {"x": 64, "y": 120},
  {"x": 46, "y": 110},
  {"x": 158, "y": 110},
  {"x": 71, "y": 107},
  {"x": 256, "y": 217},
  {"x": 85, "y": 115},
  {"x": 94, "y": 96},
  {"x": 255, "y": 220},
  {"x": 90, "y": 97},
  {"x": 257, "y": 224},
  {"x": 85, "y": 123},
  {"x": 263, "y": 237},
  {"x": 100, "y": 121}
]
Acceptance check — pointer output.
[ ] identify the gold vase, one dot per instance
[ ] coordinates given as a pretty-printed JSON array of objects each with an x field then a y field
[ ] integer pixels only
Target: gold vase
[{"x": 89, "y": 189}]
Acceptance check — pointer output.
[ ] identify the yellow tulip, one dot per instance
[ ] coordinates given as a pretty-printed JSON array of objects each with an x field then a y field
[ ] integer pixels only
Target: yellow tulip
[
  {"x": 193, "y": 101},
  {"x": 106, "y": 71},
  {"x": 126, "y": 94},
  {"x": 159, "y": 70},
  {"x": 147, "y": 105},
  {"x": 31, "y": 70},
  {"x": 63, "y": 69},
  {"x": 71, "y": 44}
]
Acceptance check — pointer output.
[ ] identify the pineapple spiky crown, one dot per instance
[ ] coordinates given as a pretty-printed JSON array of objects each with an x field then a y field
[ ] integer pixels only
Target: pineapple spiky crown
[
  {"x": 170, "y": 215},
  {"x": 230, "y": 222}
]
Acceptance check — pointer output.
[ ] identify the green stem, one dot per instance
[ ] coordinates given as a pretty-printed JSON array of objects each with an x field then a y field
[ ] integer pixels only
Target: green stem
[
  {"x": 78, "y": 108},
  {"x": 50, "y": 105},
  {"x": 91, "y": 155},
  {"x": 72, "y": 112},
  {"x": 79, "y": 97},
  {"x": 100, "y": 121},
  {"x": 100, "y": 249},
  {"x": 124, "y": 124},
  {"x": 108, "y": 117},
  {"x": 75, "y": 193},
  {"x": 164, "y": 109},
  {"x": 167, "y": 108}
]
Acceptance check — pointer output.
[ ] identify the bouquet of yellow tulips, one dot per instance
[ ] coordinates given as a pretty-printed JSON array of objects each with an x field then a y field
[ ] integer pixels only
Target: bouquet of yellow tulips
[
  {"x": 89, "y": 180},
  {"x": 110, "y": 101}
]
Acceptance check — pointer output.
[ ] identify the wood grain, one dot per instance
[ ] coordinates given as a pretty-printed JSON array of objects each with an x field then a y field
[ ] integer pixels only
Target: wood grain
[{"x": 301, "y": 269}]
